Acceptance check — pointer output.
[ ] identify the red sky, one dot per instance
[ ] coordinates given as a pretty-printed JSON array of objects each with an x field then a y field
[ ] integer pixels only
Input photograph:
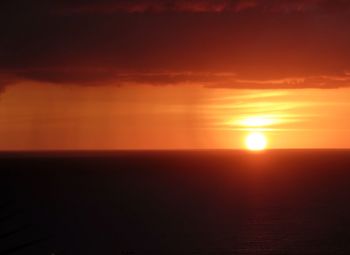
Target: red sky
[{"x": 150, "y": 74}]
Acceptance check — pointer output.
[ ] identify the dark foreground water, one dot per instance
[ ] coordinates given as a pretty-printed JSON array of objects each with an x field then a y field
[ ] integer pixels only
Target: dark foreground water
[{"x": 208, "y": 202}]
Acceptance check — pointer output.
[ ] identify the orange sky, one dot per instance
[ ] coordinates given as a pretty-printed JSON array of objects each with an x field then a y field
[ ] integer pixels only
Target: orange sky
[
  {"x": 179, "y": 74},
  {"x": 37, "y": 116}
]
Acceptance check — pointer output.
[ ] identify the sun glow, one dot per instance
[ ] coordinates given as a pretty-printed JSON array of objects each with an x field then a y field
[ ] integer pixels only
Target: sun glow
[
  {"x": 258, "y": 121},
  {"x": 256, "y": 141}
]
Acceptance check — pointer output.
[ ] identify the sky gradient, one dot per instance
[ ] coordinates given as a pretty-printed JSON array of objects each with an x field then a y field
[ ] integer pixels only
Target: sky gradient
[{"x": 150, "y": 74}]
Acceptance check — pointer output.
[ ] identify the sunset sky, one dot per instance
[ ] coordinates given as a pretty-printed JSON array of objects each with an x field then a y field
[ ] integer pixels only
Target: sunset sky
[{"x": 151, "y": 74}]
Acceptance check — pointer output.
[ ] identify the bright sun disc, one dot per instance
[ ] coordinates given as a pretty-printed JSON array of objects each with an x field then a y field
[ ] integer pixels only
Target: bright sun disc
[{"x": 256, "y": 142}]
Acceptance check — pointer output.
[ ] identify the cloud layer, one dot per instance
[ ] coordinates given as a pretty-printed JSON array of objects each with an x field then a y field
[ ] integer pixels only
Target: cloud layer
[
  {"x": 202, "y": 6},
  {"x": 232, "y": 44}
]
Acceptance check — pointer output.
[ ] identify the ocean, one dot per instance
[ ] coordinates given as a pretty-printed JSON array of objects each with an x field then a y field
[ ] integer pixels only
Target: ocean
[{"x": 175, "y": 202}]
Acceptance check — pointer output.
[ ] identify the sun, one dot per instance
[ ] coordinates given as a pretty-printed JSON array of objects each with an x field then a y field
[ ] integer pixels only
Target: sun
[{"x": 256, "y": 141}]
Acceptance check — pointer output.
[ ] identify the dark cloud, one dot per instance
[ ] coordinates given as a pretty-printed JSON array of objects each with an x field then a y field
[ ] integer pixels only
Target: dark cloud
[
  {"x": 88, "y": 76},
  {"x": 224, "y": 43},
  {"x": 317, "y": 82},
  {"x": 200, "y": 6}
]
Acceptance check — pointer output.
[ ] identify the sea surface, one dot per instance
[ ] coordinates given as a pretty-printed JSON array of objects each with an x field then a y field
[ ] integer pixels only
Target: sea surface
[{"x": 175, "y": 202}]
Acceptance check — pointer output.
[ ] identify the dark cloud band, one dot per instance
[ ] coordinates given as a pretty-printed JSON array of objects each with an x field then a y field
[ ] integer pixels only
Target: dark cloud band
[
  {"x": 202, "y": 6},
  {"x": 224, "y": 43}
]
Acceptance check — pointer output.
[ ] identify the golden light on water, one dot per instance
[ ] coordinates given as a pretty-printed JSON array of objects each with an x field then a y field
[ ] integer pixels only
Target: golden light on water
[{"x": 256, "y": 141}]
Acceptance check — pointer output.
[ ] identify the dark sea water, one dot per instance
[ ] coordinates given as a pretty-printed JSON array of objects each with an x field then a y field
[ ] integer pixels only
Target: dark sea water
[{"x": 184, "y": 202}]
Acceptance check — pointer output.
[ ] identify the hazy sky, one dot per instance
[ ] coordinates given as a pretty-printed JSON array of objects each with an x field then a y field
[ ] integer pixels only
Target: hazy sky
[{"x": 151, "y": 74}]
